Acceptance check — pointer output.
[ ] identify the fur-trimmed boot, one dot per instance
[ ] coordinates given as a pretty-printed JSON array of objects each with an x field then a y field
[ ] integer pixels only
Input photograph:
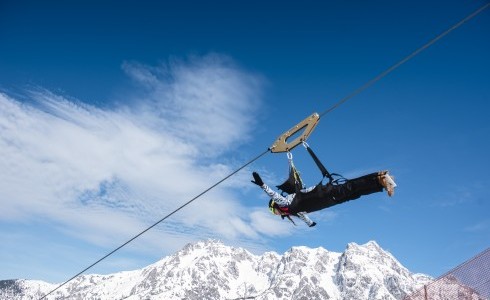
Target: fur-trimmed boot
[{"x": 387, "y": 181}]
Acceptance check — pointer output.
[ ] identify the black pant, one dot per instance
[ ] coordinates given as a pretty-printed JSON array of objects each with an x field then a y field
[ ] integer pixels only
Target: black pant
[{"x": 323, "y": 196}]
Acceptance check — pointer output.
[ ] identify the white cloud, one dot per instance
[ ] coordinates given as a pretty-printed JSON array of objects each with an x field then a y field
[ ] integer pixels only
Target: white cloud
[
  {"x": 481, "y": 226},
  {"x": 263, "y": 222},
  {"x": 103, "y": 174},
  {"x": 325, "y": 216},
  {"x": 205, "y": 102}
]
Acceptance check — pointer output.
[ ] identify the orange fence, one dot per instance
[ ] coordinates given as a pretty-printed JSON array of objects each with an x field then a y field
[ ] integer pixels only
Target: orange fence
[{"x": 468, "y": 281}]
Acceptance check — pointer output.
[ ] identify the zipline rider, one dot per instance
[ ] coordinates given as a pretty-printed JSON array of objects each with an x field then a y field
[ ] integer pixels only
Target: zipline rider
[{"x": 324, "y": 195}]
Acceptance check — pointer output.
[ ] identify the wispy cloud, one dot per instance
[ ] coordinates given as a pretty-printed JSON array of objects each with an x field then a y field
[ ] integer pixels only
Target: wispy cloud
[
  {"x": 457, "y": 195},
  {"x": 478, "y": 227},
  {"x": 262, "y": 221},
  {"x": 204, "y": 101},
  {"x": 100, "y": 174}
]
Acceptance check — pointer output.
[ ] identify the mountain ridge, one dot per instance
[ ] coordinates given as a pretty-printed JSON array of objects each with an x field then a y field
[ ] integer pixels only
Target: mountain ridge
[{"x": 211, "y": 270}]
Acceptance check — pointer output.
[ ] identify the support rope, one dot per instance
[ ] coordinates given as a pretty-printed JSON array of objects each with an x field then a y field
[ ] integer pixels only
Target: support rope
[
  {"x": 158, "y": 222},
  {"x": 404, "y": 60},
  {"x": 343, "y": 100}
]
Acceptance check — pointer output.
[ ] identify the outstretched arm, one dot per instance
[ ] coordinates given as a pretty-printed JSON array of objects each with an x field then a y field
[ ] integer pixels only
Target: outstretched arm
[
  {"x": 303, "y": 216},
  {"x": 280, "y": 200}
]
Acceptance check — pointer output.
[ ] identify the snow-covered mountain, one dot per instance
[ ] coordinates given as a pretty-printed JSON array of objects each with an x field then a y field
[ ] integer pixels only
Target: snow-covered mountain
[{"x": 212, "y": 270}]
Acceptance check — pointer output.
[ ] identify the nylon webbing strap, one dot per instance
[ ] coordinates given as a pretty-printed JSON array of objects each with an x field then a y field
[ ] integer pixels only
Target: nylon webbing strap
[{"x": 322, "y": 168}]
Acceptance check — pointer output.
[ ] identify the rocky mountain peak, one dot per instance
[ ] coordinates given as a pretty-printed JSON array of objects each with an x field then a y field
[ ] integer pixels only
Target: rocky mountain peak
[{"x": 211, "y": 270}]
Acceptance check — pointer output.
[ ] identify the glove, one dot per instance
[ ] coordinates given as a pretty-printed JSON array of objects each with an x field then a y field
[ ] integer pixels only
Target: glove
[
  {"x": 312, "y": 224},
  {"x": 257, "y": 180}
]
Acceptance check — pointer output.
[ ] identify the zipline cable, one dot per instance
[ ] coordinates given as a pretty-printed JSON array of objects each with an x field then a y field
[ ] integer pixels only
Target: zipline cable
[
  {"x": 343, "y": 100},
  {"x": 407, "y": 58},
  {"x": 158, "y": 222}
]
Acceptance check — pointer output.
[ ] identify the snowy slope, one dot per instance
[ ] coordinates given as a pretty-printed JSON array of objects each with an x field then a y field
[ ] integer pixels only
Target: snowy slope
[{"x": 211, "y": 270}]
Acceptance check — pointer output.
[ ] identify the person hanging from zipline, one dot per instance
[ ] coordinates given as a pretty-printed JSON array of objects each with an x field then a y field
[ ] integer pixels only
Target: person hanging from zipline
[
  {"x": 321, "y": 196},
  {"x": 300, "y": 201}
]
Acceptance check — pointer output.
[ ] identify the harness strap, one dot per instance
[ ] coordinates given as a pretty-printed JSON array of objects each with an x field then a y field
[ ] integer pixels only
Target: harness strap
[
  {"x": 289, "y": 218},
  {"x": 294, "y": 171},
  {"x": 325, "y": 173},
  {"x": 319, "y": 164}
]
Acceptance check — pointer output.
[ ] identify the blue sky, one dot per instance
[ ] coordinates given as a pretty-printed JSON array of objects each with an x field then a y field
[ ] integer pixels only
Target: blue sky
[{"x": 114, "y": 114}]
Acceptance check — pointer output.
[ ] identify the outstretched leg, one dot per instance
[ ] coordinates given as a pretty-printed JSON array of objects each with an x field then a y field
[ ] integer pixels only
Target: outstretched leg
[
  {"x": 367, "y": 184},
  {"x": 357, "y": 187},
  {"x": 324, "y": 196}
]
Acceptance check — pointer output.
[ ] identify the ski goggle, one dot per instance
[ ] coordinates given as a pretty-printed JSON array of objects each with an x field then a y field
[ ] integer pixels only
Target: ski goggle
[{"x": 272, "y": 204}]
